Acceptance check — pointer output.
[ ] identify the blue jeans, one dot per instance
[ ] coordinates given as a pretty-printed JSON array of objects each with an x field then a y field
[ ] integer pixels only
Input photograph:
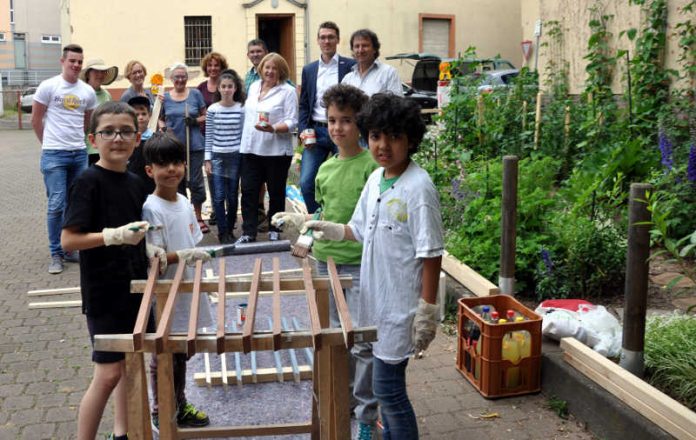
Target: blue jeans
[
  {"x": 59, "y": 169},
  {"x": 389, "y": 385},
  {"x": 312, "y": 158},
  {"x": 226, "y": 167}
]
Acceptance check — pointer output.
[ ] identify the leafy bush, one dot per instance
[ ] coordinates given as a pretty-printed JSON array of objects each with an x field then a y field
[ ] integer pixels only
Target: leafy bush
[{"x": 670, "y": 356}]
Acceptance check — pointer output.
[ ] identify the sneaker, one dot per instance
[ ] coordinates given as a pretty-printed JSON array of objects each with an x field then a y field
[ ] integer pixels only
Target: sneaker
[
  {"x": 56, "y": 265},
  {"x": 212, "y": 221},
  {"x": 365, "y": 431},
  {"x": 273, "y": 236},
  {"x": 111, "y": 436},
  {"x": 190, "y": 416},
  {"x": 72, "y": 257},
  {"x": 245, "y": 239},
  {"x": 154, "y": 418}
]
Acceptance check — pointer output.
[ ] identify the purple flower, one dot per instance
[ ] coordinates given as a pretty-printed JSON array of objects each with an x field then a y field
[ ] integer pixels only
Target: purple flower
[
  {"x": 665, "y": 151},
  {"x": 691, "y": 165},
  {"x": 546, "y": 258}
]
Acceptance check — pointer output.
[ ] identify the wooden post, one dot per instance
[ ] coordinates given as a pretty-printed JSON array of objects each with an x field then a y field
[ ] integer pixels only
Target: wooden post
[
  {"x": 508, "y": 238},
  {"x": 524, "y": 115},
  {"x": 537, "y": 121},
  {"x": 636, "y": 288},
  {"x": 139, "y": 424},
  {"x": 566, "y": 126}
]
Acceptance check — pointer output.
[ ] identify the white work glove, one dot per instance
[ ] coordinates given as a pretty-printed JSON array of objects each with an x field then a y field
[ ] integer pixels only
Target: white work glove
[
  {"x": 289, "y": 221},
  {"x": 424, "y": 325},
  {"x": 190, "y": 256},
  {"x": 156, "y": 251},
  {"x": 125, "y": 234},
  {"x": 323, "y": 230}
]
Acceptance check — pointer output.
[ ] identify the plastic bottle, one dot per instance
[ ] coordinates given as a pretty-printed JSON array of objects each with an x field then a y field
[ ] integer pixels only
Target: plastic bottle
[
  {"x": 502, "y": 321},
  {"x": 524, "y": 340},
  {"x": 486, "y": 314},
  {"x": 511, "y": 315},
  {"x": 494, "y": 317},
  {"x": 511, "y": 352}
]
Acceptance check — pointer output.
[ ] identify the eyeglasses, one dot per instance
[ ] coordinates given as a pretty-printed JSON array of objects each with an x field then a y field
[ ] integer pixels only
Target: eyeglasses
[
  {"x": 110, "y": 135},
  {"x": 180, "y": 78}
]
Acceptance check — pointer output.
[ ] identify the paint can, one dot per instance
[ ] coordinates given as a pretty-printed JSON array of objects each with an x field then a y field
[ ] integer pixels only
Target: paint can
[
  {"x": 309, "y": 137},
  {"x": 241, "y": 313}
]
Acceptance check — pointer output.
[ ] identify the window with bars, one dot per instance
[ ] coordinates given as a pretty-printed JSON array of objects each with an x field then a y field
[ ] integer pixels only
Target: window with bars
[{"x": 198, "y": 38}]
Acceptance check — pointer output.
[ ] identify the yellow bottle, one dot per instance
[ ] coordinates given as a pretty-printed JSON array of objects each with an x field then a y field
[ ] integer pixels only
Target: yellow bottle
[{"x": 511, "y": 352}]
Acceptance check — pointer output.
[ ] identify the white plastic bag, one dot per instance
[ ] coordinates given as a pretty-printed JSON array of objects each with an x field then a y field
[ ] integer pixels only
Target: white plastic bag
[{"x": 604, "y": 324}]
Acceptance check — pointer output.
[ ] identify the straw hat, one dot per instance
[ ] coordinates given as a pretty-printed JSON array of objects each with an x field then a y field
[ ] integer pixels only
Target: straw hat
[{"x": 97, "y": 64}]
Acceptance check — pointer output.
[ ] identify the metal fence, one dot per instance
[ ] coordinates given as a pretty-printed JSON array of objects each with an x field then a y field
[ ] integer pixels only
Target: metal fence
[{"x": 25, "y": 78}]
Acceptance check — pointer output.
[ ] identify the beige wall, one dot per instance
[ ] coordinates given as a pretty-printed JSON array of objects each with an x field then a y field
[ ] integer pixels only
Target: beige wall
[
  {"x": 575, "y": 16},
  {"x": 155, "y": 34},
  {"x": 6, "y": 47}
]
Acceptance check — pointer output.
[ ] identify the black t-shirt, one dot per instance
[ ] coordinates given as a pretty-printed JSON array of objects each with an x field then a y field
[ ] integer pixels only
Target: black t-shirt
[
  {"x": 100, "y": 199},
  {"x": 136, "y": 164}
]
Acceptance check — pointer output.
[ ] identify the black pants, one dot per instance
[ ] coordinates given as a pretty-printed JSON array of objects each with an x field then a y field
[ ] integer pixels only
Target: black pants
[{"x": 257, "y": 170}]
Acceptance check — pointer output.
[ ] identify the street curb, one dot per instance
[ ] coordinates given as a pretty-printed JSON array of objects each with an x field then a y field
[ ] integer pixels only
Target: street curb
[{"x": 604, "y": 415}]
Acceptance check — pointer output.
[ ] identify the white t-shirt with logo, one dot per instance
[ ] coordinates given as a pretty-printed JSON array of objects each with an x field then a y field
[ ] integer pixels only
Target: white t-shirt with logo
[{"x": 64, "y": 122}]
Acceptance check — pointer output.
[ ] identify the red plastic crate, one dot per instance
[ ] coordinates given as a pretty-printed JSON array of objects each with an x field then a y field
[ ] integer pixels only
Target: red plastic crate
[{"x": 491, "y": 382}]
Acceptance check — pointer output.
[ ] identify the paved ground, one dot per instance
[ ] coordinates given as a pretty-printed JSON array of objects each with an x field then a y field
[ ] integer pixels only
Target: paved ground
[{"x": 45, "y": 357}]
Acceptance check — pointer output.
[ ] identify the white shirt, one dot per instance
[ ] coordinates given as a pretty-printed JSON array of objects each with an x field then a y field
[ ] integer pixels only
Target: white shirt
[
  {"x": 281, "y": 104},
  {"x": 327, "y": 76},
  {"x": 379, "y": 78},
  {"x": 66, "y": 104},
  {"x": 180, "y": 231},
  {"x": 397, "y": 228}
]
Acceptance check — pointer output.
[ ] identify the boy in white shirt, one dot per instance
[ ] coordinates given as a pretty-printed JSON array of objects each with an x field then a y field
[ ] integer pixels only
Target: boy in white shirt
[
  {"x": 398, "y": 221},
  {"x": 165, "y": 163}
]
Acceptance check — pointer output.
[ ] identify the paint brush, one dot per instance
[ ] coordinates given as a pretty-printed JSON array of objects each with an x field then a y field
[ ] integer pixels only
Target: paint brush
[{"x": 305, "y": 241}]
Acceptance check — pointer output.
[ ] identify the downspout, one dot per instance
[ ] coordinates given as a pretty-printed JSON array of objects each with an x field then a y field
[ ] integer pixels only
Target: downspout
[{"x": 306, "y": 33}]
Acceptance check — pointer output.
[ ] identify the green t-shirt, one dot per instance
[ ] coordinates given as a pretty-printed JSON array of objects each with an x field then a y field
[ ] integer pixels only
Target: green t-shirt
[
  {"x": 385, "y": 184},
  {"x": 338, "y": 186},
  {"x": 102, "y": 97}
]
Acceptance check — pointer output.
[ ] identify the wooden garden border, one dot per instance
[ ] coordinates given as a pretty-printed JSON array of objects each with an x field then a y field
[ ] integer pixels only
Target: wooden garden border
[
  {"x": 651, "y": 403},
  {"x": 330, "y": 398},
  {"x": 468, "y": 277}
]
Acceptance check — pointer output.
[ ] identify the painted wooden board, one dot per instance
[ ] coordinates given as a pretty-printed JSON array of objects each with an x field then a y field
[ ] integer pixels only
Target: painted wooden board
[{"x": 468, "y": 277}]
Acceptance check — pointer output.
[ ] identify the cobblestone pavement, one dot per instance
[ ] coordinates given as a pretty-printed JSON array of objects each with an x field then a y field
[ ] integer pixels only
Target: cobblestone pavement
[{"x": 45, "y": 355}]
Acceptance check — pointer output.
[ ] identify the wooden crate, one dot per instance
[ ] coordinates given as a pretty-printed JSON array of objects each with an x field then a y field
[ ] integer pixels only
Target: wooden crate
[{"x": 493, "y": 370}]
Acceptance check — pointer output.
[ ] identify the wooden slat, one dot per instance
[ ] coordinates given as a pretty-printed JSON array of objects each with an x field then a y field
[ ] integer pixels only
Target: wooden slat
[
  {"x": 468, "y": 277},
  {"x": 233, "y": 343},
  {"x": 277, "y": 325},
  {"x": 322, "y": 362},
  {"x": 263, "y": 375},
  {"x": 165, "y": 323},
  {"x": 60, "y": 291},
  {"x": 54, "y": 304},
  {"x": 221, "y": 307},
  {"x": 315, "y": 325},
  {"x": 195, "y": 306},
  {"x": 340, "y": 380},
  {"x": 341, "y": 305},
  {"x": 251, "y": 307},
  {"x": 244, "y": 431},
  {"x": 656, "y": 406},
  {"x": 138, "y": 407},
  {"x": 145, "y": 304},
  {"x": 236, "y": 285},
  {"x": 165, "y": 396}
]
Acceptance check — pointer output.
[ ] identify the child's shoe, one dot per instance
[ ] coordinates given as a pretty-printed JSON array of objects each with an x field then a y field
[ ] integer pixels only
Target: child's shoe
[
  {"x": 111, "y": 436},
  {"x": 191, "y": 416}
]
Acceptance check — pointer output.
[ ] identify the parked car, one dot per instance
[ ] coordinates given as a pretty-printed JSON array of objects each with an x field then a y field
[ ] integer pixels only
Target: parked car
[
  {"x": 426, "y": 71},
  {"x": 27, "y": 99},
  {"x": 497, "y": 79},
  {"x": 425, "y": 99}
]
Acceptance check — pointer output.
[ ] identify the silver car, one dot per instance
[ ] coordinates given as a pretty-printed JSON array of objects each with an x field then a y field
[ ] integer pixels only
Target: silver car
[{"x": 27, "y": 99}]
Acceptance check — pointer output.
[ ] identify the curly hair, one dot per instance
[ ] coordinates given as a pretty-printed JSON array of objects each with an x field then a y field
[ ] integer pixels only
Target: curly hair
[
  {"x": 239, "y": 95},
  {"x": 393, "y": 115},
  {"x": 222, "y": 61},
  {"x": 344, "y": 97}
]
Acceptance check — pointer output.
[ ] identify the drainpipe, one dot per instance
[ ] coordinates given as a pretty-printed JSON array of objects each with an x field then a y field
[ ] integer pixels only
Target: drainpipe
[{"x": 306, "y": 33}]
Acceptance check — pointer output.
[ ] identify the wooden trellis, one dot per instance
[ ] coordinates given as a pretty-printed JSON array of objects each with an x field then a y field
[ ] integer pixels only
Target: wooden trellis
[{"x": 330, "y": 399}]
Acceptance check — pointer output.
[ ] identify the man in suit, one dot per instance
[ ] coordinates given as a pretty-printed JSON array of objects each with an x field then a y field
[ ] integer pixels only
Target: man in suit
[{"x": 317, "y": 77}]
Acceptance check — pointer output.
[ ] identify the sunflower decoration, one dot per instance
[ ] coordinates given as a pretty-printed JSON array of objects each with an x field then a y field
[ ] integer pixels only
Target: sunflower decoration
[{"x": 156, "y": 82}]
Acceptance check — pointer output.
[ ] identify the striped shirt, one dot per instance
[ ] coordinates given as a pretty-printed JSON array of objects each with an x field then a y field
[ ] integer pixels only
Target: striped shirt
[{"x": 223, "y": 129}]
